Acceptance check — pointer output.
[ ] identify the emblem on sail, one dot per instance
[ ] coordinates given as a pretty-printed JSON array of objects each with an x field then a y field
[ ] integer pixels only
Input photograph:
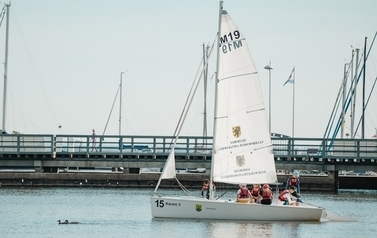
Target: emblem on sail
[
  {"x": 198, "y": 207},
  {"x": 240, "y": 160},
  {"x": 236, "y": 131}
]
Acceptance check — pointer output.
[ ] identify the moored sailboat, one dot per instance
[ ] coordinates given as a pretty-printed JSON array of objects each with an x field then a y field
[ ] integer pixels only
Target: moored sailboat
[{"x": 242, "y": 148}]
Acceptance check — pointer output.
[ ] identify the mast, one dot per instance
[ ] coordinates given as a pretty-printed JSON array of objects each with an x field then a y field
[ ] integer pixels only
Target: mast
[
  {"x": 293, "y": 106},
  {"x": 344, "y": 99},
  {"x": 215, "y": 112},
  {"x": 363, "y": 109},
  {"x": 353, "y": 133},
  {"x": 269, "y": 68},
  {"x": 205, "y": 77},
  {"x": 5, "y": 69},
  {"x": 350, "y": 67},
  {"x": 120, "y": 105}
]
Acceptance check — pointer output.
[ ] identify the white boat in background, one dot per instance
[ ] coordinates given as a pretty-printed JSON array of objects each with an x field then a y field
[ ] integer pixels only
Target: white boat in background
[
  {"x": 242, "y": 145},
  {"x": 357, "y": 173},
  {"x": 196, "y": 170}
]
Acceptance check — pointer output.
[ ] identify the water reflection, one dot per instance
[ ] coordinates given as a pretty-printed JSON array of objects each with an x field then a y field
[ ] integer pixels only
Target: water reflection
[
  {"x": 234, "y": 229},
  {"x": 251, "y": 229}
]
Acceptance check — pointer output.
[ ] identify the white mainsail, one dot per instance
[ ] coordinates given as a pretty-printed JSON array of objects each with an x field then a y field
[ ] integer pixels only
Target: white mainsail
[{"x": 242, "y": 142}]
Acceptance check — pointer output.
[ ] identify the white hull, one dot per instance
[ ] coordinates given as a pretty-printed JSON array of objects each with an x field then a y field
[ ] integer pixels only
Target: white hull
[{"x": 201, "y": 208}]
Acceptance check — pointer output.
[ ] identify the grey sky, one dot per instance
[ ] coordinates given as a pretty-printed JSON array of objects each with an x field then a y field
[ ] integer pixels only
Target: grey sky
[{"x": 65, "y": 59}]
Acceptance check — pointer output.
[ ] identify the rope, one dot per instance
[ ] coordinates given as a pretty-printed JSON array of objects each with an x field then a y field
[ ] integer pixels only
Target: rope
[{"x": 183, "y": 187}]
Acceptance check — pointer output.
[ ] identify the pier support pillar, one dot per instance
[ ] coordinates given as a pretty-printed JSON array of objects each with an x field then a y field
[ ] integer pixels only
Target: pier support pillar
[
  {"x": 335, "y": 180},
  {"x": 38, "y": 166},
  {"x": 126, "y": 170}
]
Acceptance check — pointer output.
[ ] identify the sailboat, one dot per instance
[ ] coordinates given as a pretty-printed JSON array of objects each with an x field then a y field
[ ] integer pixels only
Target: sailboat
[{"x": 242, "y": 148}]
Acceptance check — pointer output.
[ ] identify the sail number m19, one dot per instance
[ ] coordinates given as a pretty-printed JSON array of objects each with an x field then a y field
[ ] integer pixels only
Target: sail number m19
[{"x": 230, "y": 41}]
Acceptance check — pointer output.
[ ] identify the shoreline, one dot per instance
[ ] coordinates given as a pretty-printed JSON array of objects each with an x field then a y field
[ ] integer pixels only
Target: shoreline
[{"x": 149, "y": 180}]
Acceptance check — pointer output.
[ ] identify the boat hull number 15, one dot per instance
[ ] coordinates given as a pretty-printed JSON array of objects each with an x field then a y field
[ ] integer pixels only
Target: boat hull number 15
[{"x": 162, "y": 203}]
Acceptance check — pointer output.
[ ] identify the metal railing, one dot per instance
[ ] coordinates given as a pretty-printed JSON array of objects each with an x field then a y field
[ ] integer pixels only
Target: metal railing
[{"x": 186, "y": 145}]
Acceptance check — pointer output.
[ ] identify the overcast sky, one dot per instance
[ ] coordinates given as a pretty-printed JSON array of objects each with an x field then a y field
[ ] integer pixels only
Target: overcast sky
[{"x": 65, "y": 60}]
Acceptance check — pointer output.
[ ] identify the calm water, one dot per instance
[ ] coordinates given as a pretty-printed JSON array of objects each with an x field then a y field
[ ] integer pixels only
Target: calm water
[{"x": 101, "y": 212}]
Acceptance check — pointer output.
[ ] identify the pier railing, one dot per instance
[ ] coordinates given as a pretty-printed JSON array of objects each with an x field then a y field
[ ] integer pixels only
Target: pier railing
[{"x": 283, "y": 148}]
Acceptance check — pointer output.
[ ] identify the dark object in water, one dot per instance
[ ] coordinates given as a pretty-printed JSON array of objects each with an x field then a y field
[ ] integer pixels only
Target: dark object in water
[{"x": 67, "y": 222}]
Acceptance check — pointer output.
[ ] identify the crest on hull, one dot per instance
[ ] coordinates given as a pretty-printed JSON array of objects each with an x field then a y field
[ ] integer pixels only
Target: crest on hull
[{"x": 236, "y": 131}]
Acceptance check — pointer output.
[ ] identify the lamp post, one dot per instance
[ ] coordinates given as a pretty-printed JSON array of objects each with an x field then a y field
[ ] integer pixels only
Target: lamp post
[{"x": 269, "y": 68}]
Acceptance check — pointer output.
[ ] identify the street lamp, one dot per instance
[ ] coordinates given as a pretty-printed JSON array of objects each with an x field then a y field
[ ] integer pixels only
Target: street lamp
[{"x": 269, "y": 68}]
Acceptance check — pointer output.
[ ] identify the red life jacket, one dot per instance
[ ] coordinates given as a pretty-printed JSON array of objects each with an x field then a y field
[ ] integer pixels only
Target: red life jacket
[
  {"x": 244, "y": 193},
  {"x": 255, "y": 191},
  {"x": 281, "y": 196},
  {"x": 293, "y": 181},
  {"x": 266, "y": 194}
]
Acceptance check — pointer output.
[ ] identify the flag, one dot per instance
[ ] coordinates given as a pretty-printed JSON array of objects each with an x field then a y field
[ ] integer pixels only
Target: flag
[{"x": 291, "y": 77}]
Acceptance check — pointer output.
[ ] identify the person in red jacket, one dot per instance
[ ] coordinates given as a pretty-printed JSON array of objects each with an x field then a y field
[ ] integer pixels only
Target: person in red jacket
[
  {"x": 266, "y": 195},
  {"x": 286, "y": 198},
  {"x": 294, "y": 181},
  {"x": 255, "y": 192},
  {"x": 243, "y": 194}
]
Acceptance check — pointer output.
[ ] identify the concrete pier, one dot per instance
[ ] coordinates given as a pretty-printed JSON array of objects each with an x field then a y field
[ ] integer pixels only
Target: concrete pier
[{"x": 149, "y": 180}]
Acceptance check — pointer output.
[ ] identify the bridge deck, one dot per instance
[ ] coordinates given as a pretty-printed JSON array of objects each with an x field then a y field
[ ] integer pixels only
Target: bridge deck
[{"x": 39, "y": 151}]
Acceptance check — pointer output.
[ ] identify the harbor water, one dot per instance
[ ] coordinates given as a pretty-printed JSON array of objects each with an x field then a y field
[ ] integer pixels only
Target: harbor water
[{"x": 115, "y": 212}]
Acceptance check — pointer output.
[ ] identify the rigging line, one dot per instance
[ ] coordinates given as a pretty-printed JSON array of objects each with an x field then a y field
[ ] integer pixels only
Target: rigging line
[
  {"x": 191, "y": 94},
  {"x": 357, "y": 78},
  {"x": 111, "y": 110},
  {"x": 356, "y": 134},
  {"x": 348, "y": 99},
  {"x": 196, "y": 76},
  {"x": 185, "y": 107},
  {"x": 222, "y": 194},
  {"x": 365, "y": 106},
  {"x": 130, "y": 106},
  {"x": 202, "y": 72},
  {"x": 24, "y": 116},
  {"x": 194, "y": 123},
  {"x": 335, "y": 109},
  {"x": 183, "y": 187},
  {"x": 338, "y": 102},
  {"x": 2, "y": 14},
  {"x": 180, "y": 125},
  {"x": 181, "y": 115},
  {"x": 336, "y": 105},
  {"x": 36, "y": 72}
]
